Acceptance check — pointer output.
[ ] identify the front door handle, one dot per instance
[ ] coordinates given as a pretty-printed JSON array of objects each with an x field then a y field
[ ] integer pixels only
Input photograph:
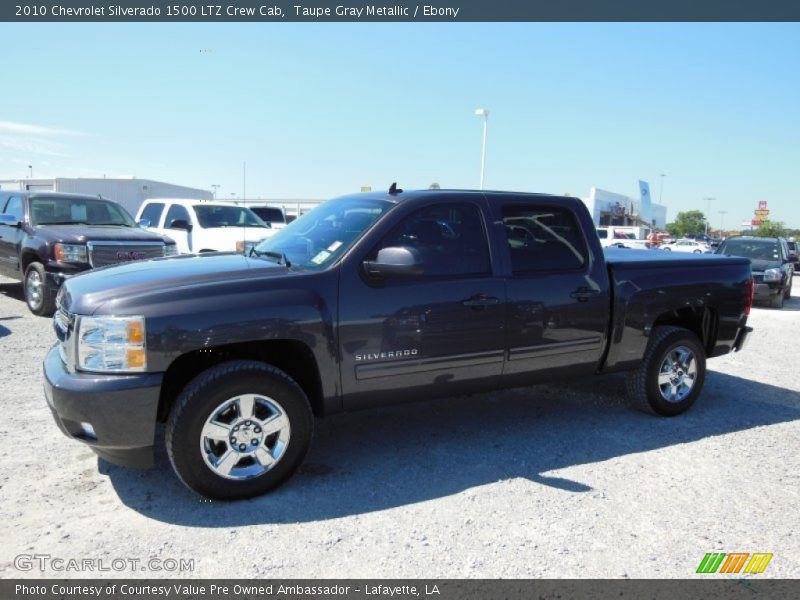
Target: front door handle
[
  {"x": 480, "y": 301},
  {"x": 582, "y": 294}
]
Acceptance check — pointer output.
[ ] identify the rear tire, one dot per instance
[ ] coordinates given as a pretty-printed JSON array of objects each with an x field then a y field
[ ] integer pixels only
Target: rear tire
[
  {"x": 788, "y": 293},
  {"x": 238, "y": 430},
  {"x": 38, "y": 293},
  {"x": 671, "y": 375}
]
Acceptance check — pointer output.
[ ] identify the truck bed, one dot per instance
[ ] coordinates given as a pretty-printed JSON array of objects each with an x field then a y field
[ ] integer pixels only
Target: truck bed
[{"x": 651, "y": 287}]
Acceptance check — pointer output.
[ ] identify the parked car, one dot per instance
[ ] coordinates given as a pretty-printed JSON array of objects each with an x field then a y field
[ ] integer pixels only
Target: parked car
[
  {"x": 772, "y": 264},
  {"x": 794, "y": 253},
  {"x": 699, "y": 237},
  {"x": 611, "y": 237},
  {"x": 201, "y": 226},
  {"x": 685, "y": 245},
  {"x": 272, "y": 215},
  {"x": 368, "y": 300},
  {"x": 47, "y": 237}
]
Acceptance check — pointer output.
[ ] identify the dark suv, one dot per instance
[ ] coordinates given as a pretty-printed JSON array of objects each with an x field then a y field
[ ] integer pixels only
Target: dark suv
[
  {"x": 46, "y": 237},
  {"x": 772, "y": 265}
]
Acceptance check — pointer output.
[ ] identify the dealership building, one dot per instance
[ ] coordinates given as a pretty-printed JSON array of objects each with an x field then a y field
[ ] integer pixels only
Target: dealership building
[
  {"x": 130, "y": 192},
  {"x": 609, "y": 208}
]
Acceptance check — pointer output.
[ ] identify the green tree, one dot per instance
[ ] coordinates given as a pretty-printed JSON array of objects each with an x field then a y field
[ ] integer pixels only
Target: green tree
[
  {"x": 692, "y": 221},
  {"x": 771, "y": 229}
]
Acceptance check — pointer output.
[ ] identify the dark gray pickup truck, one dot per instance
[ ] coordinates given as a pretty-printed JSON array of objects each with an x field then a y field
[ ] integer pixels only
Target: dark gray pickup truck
[{"x": 367, "y": 300}]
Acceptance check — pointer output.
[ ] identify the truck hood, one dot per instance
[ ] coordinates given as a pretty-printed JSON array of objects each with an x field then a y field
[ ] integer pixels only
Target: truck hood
[
  {"x": 90, "y": 233},
  {"x": 85, "y": 293}
]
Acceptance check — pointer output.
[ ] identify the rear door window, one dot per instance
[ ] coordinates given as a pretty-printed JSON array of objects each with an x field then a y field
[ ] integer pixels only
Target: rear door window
[{"x": 543, "y": 238}]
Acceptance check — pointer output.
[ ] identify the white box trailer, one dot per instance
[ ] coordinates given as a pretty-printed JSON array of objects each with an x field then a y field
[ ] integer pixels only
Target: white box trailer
[{"x": 130, "y": 192}]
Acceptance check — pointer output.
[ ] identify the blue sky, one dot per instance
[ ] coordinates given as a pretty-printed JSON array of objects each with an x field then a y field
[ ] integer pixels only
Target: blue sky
[{"x": 318, "y": 110}]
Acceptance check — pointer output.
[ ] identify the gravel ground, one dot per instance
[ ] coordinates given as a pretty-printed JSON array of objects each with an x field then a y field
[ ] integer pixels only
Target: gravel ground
[{"x": 547, "y": 481}]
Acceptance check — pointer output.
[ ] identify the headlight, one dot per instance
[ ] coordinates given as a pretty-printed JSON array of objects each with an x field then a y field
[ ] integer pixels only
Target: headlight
[
  {"x": 70, "y": 253},
  {"x": 111, "y": 344},
  {"x": 245, "y": 247},
  {"x": 773, "y": 275},
  {"x": 171, "y": 250}
]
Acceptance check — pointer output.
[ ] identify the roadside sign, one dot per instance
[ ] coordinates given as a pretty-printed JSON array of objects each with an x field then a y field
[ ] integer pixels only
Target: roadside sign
[
  {"x": 366, "y": 188},
  {"x": 747, "y": 223},
  {"x": 762, "y": 205},
  {"x": 762, "y": 213},
  {"x": 755, "y": 222}
]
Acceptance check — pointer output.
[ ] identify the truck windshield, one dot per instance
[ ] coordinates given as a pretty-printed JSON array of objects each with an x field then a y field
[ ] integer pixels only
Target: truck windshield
[
  {"x": 320, "y": 236},
  {"x": 757, "y": 249},
  {"x": 214, "y": 215},
  {"x": 52, "y": 210}
]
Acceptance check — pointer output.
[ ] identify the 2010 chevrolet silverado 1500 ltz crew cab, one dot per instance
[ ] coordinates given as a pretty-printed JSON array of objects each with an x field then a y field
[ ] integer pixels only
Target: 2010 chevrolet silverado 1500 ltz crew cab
[{"x": 371, "y": 299}]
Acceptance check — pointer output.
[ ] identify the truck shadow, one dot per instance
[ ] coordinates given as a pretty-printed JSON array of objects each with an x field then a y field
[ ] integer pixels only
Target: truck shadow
[
  {"x": 12, "y": 290},
  {"x": 386, "y": 458}
]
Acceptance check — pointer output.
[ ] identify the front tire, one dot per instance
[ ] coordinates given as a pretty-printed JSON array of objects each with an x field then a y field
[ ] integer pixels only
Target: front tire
[
  {"x": 671, "y": 375},
  {"x": 238, "y": 430},
  {"x": 38, "y": 293}
]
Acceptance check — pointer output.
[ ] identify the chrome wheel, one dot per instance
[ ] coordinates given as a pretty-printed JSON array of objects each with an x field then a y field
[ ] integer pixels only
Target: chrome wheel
[
  {"x": 245, "y": 436},
  {"x": 34, "y": 289},
  {"x": 677, "y": 375}
]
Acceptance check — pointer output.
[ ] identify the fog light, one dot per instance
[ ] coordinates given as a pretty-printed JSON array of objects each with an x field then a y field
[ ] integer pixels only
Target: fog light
[{"x": 88, "y": 431}]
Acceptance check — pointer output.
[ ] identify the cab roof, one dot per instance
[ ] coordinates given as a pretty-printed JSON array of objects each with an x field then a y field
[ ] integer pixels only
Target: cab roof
[{"x": 400, "y": 195}]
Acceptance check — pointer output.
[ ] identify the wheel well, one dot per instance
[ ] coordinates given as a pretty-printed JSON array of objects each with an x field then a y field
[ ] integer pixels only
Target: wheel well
[
  {"x": 703, "y": 322},
  {"x": 27, "y": 258},
  {"x": 292, "y": 357}
]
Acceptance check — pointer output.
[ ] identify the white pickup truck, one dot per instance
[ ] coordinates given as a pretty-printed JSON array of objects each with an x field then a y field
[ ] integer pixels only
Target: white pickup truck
[{"x": 201, "y": 226}]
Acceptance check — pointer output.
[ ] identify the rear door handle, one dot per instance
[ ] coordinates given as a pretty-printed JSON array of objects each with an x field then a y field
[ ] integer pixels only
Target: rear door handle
[
  {"x": 479, "y": 301},
  {"x": 582, "y": 294}
]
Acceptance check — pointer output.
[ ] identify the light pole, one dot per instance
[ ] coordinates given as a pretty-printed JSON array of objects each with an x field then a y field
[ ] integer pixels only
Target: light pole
[
  {"x": 708, "y": 210},
  {"x": 215, "y": 186},
  {"x": 661, "y": 189},
  {"x": 482, "y": 112},
  {"x": 30, "y": 168},
  {"x": 722, "y": 214}
]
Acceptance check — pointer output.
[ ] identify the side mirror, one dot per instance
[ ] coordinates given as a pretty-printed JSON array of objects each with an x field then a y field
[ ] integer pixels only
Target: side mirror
[
  {"x": 10, "y": 220},
  {"x": 399, "y": 261},
  {"x": 181, "y": 224},
  {"x": 144, "y": 223}
]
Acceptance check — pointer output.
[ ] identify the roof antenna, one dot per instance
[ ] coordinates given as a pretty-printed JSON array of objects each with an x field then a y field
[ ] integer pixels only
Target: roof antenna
[{"x": 393, "y": 189}]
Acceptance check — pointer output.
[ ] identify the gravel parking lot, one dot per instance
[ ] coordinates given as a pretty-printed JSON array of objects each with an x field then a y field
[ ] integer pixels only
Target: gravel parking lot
[{"x": 547, "y": 481}]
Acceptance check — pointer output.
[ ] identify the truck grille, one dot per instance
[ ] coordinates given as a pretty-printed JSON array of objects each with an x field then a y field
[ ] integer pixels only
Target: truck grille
[{"x": 102, "y": 254}]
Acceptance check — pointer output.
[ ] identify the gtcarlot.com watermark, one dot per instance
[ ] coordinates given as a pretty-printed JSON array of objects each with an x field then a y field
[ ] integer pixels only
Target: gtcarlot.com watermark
[{"x": 48, "y": 562}]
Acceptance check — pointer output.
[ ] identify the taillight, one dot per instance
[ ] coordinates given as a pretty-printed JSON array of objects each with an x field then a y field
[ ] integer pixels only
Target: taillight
[{"x": 748, "y": 300}]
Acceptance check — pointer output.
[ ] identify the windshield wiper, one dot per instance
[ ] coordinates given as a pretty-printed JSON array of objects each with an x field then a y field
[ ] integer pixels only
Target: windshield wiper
[{"x": 281, "y": 256}]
